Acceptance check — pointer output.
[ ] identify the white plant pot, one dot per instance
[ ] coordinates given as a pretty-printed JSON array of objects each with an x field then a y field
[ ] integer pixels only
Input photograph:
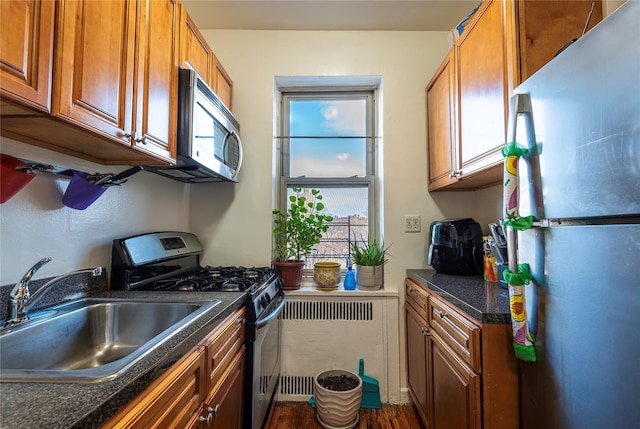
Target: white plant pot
[
  {"x": 337, "y": 409},
  {"x": 369, "y": 277}
]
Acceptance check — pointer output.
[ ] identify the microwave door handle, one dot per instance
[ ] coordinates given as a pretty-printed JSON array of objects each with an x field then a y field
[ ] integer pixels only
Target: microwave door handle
[{"x": 224, "y": 145}]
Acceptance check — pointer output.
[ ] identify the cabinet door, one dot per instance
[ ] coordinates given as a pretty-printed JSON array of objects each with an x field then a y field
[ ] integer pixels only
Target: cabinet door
[
  {"x": 174, "y": 401},
  {"x": 26, "y": 55},
  {"x": 225, "y": 405},
  {"x": 482, "y": 80},
  {"x": 93, "y": 70},
  {"x": 194, "y": 50},
  {"x": 456, "y": 389},
  {"x": 157, "y": 79},
  {"x": 457, "y": 331},
  {"x": 545, "y": 27},
  {"x": 222, "y": 84},
  {"x": 223, "y": 345},
  {"x": 441, "y": 142},
  {"x": 417, "y": 357}
]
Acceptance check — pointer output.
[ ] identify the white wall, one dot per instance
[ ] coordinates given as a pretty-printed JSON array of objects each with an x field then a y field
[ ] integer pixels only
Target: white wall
[
  {"x": 234, "y": 221},
  {"x": 35, "y": 223}
]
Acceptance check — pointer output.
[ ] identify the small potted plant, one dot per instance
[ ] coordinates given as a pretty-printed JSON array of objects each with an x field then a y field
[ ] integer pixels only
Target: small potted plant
[
  {"x": 296, "y": 232},
  {"x": 369, "y": 259}
]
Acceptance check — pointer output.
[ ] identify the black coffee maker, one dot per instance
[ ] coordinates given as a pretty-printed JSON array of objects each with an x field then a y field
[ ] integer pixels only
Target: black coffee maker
[{"x": 455, "y": 247}]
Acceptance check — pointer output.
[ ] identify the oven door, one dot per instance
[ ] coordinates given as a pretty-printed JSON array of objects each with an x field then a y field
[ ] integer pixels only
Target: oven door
[{"x": 265, "y": 359}]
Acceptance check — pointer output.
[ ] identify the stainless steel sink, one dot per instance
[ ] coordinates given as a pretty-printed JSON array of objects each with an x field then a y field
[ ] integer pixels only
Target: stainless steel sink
[{"x": 91, "y": 340}]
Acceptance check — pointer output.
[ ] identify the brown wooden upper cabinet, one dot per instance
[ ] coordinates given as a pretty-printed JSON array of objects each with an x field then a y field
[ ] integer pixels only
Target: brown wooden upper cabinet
[
  {"x": 196, "y": 53},
  {"x": 113, "y": 84},
  {"x": 26, "y": 56},
  {"x": 441, "y": 130},
  {"x": 98, "y": 79},
  {"x": 115, "y": 71},
  {"x": 504, "y": 43},
  {"x": 223, "y": 85}
]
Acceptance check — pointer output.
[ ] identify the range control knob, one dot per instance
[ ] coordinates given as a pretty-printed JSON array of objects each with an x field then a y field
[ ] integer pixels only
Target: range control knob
[
  {"x": 263, "y": 301},
  {"x": 268, "y": 297}
]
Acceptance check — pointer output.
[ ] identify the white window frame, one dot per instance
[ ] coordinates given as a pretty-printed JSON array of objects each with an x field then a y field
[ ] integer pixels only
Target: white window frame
[{"x": 339, "y": 87}]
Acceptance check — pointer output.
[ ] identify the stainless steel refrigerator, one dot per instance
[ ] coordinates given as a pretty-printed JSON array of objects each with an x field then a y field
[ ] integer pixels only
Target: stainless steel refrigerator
[{"x": 579, "y": 116}]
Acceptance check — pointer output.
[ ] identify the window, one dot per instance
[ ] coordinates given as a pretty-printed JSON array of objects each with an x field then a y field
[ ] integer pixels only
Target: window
[{"x": 327, "y": 141}]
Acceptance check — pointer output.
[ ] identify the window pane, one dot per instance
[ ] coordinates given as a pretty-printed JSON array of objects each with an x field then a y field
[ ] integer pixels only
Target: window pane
[
  {"x": 327, "y": 157},
  {"x": 340, "y": 117},
  {"x": 349, "y": 207}
]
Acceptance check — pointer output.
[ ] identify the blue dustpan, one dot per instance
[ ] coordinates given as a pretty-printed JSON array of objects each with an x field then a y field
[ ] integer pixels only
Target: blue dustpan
[{"x": 370, "y": 390}]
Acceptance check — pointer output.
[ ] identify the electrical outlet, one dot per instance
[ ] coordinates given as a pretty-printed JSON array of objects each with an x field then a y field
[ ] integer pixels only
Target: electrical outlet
[{"x": 411, "y": 223}]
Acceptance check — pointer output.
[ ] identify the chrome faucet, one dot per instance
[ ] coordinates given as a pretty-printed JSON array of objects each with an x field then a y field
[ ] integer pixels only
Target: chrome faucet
[
  {"x": 20, "y": 300},
  {"x": 20, "y": 293}
]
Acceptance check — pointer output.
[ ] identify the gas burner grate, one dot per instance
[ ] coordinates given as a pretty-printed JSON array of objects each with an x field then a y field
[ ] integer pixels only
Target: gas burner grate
[{"x": 213, "y": 279}]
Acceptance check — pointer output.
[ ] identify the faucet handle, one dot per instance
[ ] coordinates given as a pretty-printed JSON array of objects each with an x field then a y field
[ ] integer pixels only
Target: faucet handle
[{"x": 21, "y": 289}]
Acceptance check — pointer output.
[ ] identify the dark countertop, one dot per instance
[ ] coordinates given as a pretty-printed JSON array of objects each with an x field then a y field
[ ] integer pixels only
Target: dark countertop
[
  {"x": 86, "y": 406},
  {"x": 485, "y": 302}
]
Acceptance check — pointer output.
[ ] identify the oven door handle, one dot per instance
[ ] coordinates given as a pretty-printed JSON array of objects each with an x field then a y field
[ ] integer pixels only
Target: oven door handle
[{"x": 261, "y": 322}]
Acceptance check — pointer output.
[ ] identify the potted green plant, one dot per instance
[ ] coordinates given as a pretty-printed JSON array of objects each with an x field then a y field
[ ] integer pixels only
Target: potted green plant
[
  {"x": 296, "y": 232},
  {"x": 369, "y": 258}
]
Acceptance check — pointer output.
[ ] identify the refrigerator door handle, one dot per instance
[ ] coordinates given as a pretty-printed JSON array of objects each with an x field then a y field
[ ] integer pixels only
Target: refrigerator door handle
[
  {"x": 512, "y": 246},
  {"x": 520, "y": 105}
]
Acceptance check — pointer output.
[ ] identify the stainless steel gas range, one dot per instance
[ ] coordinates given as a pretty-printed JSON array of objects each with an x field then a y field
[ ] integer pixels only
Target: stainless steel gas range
[{"x": 170, "y": 261}]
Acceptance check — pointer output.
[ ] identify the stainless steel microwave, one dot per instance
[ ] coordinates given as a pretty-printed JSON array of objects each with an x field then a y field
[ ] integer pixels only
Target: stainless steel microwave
[{"x": 209, "y": 146}]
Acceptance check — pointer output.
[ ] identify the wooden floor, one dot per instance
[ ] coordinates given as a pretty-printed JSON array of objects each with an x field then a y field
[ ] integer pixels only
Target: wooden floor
[{"x": 300, "y": 415}]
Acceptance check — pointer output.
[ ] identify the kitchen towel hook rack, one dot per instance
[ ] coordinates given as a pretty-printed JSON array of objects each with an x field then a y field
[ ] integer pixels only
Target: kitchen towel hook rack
[{"x": 84, "y": 188}]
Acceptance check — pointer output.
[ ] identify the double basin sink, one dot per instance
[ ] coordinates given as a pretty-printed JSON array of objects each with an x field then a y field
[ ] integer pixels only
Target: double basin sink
[{"x": 91, "y": 340}]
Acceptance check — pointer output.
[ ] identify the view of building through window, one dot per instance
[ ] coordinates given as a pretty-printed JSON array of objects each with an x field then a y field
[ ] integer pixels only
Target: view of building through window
[{"x": 348, "y": 206}]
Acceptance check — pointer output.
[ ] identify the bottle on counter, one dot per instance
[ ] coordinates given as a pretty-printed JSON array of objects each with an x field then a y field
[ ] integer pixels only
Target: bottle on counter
[{"x": 349, "y": 279}]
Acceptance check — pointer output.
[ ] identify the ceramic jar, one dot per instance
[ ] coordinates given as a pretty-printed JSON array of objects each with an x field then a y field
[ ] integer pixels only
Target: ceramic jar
[{"x": 326, "y": 275}]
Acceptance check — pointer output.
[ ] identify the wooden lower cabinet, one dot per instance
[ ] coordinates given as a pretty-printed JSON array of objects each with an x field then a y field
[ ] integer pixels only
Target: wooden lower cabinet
[
  {"x": 225, "y": 370},
  {"x": 417, "y": 351},
  {"x": 456, "y": 389},
  {"x": 202, "y": 390},
  {"x": 461, "y": 374},
  {"x": 225, "y": 402},
  {"x": 172, "y": 401}
]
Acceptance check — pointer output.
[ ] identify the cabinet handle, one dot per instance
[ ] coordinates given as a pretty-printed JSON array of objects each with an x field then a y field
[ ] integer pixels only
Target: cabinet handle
[
  {"x": 216, "y": 410},
  {"x": 452, "y": 174},
  {"x": 425, "y": 331},
  {"x": 444, "y": 316},
  {"x": 132, "y": 136},
  {"x": 207, "y": 419},
  {"x": 411, "y": 289}
]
